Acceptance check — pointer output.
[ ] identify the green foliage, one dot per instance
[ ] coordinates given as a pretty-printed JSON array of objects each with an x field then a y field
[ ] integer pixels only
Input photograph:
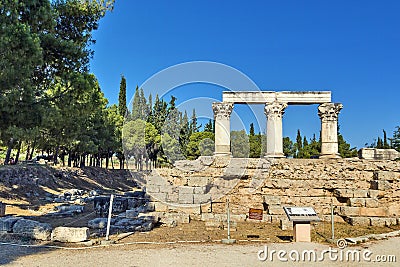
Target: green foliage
[
  {"x": 257, "y": 144},
  {"x": 344, "y": 148},
  {"x": 197, "y": 144},
  {"x": 44, "y": 62},
  {"x": 395, "y": 141},
  {"x": 240, "y": 144},
  {"x": 171, "y": 149},
  {"x": 288, "y": 147},
  {"x": 209, "y": 126}
]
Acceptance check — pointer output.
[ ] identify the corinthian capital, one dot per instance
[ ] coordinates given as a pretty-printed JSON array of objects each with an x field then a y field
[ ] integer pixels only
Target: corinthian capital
[
  {"x": 329, "y": 111},
  {"x": 275, "y": 109},
  {"x": 222, "y": 109}
]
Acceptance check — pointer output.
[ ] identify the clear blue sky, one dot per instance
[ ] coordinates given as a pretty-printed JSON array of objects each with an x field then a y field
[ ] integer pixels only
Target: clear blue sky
[{"x": 351, "y": 48}]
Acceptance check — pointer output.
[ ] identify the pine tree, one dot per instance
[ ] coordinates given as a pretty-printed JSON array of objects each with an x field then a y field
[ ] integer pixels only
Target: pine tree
[{"x": 122, "y": 109}]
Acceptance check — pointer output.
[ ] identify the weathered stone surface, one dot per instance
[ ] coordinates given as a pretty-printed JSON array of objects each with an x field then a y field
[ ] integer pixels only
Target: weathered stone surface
[
  {"x": 2, "y": 209},
  {"x": 7, "y": 223},
  {"x": 378, "y": 154},
  {"x": 173, "y": 198},
  {"x": 371, "y": 203},
  {"x": 185, "y": 198},
  {"x": 285, "y": 224},
  {"x": 360, "y": 193},
  {"x": 374, "y": 212},
  {"x": 33, "y": 229},
  {"x": 70, "y": 234},
  {"x": 356, "y": 202},
  {"x": 275, "y": 210},
  {"x": 159, "y": 206},
  {"x": 361, "y": 221},
  {"x": 272, "y": 200},
  {"x": 387, "y": 175},
  {"x": 102, "y": 204},
  {"x": 363, "y": 211},
  {"x": 381, "y": 222},
  {"x": 177, "y": 217},
  {"x": 99, "y": 223},
  {"x": 198, "y": 181},
  {"x": 301, "y": 182},
  {"x": 380, "y": 185},
  {"x": 186, "y": 190},
  {"x": 390, "y": 221},
  {"x": 159, "y": 196},
  {"x": 131, "y": 213},
  {"x": 346, "y": 193},
  {"x": 375, "y": 193},
  {"x": 70, "y": 208}
]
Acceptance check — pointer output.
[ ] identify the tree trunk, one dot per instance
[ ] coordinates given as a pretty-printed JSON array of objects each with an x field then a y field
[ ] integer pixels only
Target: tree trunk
[
  {"x": 69, "y": 159},
  {"x": 33, "y": 149},
  {"x": 27, "y": 152},
  {"x": 18, "y": 152},
  {"x": 82, "y": 163},
  {"x": 55, "y": 160},
  {"x": 9, "y": 149},
  {"x": 107, "y": 158}
]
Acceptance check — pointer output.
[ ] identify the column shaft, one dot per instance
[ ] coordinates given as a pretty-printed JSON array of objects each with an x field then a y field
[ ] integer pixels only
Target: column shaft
[
  {"x": 274, "y": 112},
  {"x": 328, "y": 112},
  {"x": 222, "y": 116}
]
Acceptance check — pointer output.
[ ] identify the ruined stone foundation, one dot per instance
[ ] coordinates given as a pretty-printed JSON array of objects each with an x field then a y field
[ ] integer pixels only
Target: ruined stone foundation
[{"x": 362, "y": 192}]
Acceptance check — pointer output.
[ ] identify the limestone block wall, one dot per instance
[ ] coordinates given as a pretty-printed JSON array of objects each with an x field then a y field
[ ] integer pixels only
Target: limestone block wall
[{"x": 362, "y": 192}]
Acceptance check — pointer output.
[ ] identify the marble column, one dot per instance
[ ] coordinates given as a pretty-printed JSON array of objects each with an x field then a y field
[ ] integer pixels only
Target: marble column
[
  {"x": 222, "y": 116},
  {"x": 328, "y": 112},
  {"x": 274, "y": 112}
]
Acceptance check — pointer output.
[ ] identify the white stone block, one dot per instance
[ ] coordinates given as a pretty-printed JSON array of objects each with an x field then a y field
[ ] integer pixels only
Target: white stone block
[{"x": 70, "y": 234}]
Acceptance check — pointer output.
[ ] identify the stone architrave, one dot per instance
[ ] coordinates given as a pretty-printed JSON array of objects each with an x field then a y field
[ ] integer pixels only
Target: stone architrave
[
  {"x": 274, "y": 112},
  {"x": 328, "y": 112},
  {"x": 222, "y": 116}
]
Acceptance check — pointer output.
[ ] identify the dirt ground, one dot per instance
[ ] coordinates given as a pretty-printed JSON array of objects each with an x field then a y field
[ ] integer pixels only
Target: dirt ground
[{"x": 210, "y": 254}]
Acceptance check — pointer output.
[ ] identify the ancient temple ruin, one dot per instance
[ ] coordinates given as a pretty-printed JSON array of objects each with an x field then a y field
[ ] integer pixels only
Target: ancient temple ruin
[{"x": 275, "y": 105}]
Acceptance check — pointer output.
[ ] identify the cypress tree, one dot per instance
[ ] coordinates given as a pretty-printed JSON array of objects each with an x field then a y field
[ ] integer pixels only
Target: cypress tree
[
  {"x": 252, "y": 129},
  {"x": 122, "y": 109}
]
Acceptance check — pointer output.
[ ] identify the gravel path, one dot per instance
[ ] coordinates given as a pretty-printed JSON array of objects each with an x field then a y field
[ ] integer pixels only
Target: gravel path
[{"x": 187, "y": 255}]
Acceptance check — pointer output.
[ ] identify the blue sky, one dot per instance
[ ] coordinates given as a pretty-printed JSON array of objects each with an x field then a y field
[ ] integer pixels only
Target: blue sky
[{"x": 351, "y": 48}]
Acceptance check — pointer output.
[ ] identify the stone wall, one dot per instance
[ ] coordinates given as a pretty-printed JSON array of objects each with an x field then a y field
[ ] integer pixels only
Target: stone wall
[{"x": 362, "y": 192}]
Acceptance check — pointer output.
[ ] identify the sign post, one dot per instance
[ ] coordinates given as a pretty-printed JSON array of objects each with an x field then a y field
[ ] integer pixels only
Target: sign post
[
  {"x": 301, "y": 218},
  {"x": 228, "y": 217}
]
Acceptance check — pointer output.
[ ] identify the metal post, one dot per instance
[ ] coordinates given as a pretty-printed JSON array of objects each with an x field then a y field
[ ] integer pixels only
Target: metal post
[
  {"x": 332, "y": 221},
  {"x": 109, "y": 217},
  {"x": 228, "y": 218},
  {"x": 229, "y": 240}
]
